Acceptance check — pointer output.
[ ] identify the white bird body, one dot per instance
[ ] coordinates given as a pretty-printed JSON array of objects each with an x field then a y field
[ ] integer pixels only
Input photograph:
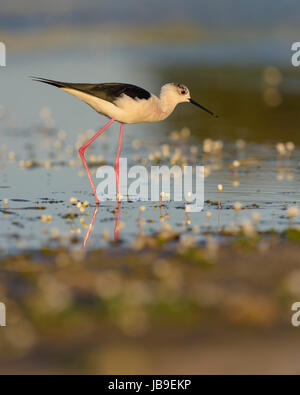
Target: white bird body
[
  {"x": 128, "y": 103},
  {"x": 141, "y": 110}
]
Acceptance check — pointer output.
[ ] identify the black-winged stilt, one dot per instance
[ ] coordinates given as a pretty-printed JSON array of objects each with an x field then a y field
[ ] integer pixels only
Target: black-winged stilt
[{"x": 125, "y": 103}]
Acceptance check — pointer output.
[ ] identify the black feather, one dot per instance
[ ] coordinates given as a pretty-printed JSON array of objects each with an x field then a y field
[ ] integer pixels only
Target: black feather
[{"x": 107, "y": 91}]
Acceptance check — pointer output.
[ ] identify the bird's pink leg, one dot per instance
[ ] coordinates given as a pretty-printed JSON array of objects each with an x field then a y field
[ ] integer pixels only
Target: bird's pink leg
[
  {"x": 117, "y": 161},
  {"x": 81, "y": 153}
]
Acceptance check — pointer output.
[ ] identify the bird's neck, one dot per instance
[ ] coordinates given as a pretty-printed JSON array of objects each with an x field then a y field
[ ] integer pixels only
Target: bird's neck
[{"x": 167, "y": 105}]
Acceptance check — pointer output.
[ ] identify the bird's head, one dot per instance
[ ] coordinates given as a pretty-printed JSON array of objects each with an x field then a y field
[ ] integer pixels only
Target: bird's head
[{"x": 179, "y": 93}]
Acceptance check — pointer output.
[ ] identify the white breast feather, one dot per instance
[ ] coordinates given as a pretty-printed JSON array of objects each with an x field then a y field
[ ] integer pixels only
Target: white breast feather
[
  {"x": 125, "y": 109},
  {"x": 140, "y": 110}
]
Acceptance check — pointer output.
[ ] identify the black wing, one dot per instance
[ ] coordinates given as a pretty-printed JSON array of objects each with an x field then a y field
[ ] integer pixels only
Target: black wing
[{"x": 108, "y": 91}]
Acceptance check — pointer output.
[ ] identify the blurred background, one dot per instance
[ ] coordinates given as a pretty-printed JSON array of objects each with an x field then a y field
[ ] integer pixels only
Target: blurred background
[{"x": 211, "y": 301}]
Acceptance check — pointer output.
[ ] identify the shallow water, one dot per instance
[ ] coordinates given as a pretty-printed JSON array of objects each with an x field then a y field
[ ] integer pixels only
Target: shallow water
[
  {"x": 262, "y": 184},
  {"x": 41, "y": 169}
]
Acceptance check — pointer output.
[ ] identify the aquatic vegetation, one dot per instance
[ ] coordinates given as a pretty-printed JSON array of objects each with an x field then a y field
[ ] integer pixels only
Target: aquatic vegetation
[
  {"x": 46, "y": 218},
  {"x": 73, "y": 200},
  {"x": 293, "y": 212},
  {"x": 237, "y": 206},
  {"x": 292, "y": 234}
]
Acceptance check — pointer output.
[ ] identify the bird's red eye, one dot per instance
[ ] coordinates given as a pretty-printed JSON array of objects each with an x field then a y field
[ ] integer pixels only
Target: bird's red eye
[{"x": 182, "y": 92}]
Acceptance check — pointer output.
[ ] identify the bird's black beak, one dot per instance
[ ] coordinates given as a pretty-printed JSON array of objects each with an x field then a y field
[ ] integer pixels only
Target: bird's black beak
[{"x": 203, "y": 108}]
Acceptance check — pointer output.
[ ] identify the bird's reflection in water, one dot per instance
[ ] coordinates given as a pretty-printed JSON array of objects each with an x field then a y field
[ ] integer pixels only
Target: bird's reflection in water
[
  {"x": 117, "y": 213},
  {"x": 91, "y": 226}
]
